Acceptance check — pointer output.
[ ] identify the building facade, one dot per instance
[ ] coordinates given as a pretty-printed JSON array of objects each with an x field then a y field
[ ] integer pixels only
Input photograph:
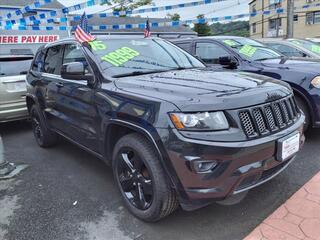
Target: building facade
[{"x": 306, "y": 20}]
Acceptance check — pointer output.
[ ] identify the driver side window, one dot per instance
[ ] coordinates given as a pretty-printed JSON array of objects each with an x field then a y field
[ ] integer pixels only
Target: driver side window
[
  {"x": 73, "y": 53},
  {"x": 210, "y": 52}
]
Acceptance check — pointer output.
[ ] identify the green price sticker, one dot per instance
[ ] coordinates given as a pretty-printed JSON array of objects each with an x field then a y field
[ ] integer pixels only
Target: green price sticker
[
  {"x": 230, "y": 42},
  {"x": 97, "y": 45},
  {"x": 120, "y": 56},
  {"x": 248, "y": 50},
  {"x": 315, "y": 48}
]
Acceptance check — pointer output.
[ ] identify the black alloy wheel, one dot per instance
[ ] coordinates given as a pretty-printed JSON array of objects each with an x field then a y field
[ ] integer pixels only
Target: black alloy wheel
[
  {"x": 143, "y": 183},
  {"x": 134, "y": 178},
  {"x": 37, "y": 132},
  {"x": 43, "y": 135}
]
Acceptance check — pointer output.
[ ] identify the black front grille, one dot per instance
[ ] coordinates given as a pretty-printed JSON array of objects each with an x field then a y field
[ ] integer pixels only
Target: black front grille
[{"x": 267, "y": 118}]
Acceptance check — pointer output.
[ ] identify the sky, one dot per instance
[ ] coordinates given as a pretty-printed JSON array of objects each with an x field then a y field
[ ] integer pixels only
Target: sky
[{"x": 224, "y": 8}]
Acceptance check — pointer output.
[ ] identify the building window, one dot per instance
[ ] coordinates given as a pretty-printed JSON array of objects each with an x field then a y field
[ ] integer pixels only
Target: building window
[
  {"x": 273, "y": 4},
  {"x": 254, "y": 8},
  {"x": 295, "y": 18},
  {"x": 313, "y": 18},
  {"x": 254, "y": 27},
  {"x": 275, "y": 24}
]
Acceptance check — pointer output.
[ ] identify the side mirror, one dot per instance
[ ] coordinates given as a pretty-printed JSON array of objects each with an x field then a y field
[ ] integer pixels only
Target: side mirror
[
  {"x": 75, "y": 71},
  {"x": 228, "y": 61}
]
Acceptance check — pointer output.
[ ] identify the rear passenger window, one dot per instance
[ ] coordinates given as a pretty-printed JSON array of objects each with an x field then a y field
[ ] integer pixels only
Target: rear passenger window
[
  {"x": 53, "y": 61},
  {"x": 210, "y": 52},
  {"x": 38, "y": 63},
  {"x": 73, "y": 53}
]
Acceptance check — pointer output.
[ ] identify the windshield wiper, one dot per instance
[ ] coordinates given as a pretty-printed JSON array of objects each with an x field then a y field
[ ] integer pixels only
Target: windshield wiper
[
  {"x": 137, "y": 73},
  {"x": 263, "y": 59}
]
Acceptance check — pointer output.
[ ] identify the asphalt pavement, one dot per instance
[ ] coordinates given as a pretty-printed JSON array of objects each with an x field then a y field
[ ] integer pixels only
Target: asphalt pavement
[{"x": 66, "y": 193}]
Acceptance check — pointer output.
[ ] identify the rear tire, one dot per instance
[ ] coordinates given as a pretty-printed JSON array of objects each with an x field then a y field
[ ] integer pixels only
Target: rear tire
[
  {"x": 159, "y": 198},
  {"x": 43, "y": 135},
  {"x": 304, "y": 108}
]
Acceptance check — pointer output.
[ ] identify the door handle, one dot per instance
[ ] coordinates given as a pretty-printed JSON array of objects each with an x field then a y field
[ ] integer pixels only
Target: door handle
[{"x": 59, "y": 84}]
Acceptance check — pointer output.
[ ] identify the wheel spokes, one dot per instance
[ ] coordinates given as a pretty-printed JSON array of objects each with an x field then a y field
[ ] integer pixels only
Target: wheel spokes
[
  {"x": 126, "y": 160},
  {"x": 126, "y": 182},
  {"x": 142, "y": 200},
  {"x": 147, "y": 186}
]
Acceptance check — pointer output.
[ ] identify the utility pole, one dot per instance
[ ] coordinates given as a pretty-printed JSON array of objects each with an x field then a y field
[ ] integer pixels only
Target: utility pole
[{"x": 290, "y": 13}]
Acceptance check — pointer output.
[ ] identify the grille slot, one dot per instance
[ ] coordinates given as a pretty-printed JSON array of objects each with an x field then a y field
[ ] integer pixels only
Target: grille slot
[{"x": 269, "y": 117}]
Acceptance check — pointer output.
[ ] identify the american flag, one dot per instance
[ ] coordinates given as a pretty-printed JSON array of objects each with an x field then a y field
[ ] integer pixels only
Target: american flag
[
  {"x": 82, "y": 32},
  {"x": 147, "y": 32}
]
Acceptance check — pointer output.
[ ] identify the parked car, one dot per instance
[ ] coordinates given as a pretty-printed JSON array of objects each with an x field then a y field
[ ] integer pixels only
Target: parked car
[
  {"x": 291, "y": 48},
  {"x": 174, "y": 131},
  {"x": 251, "y": 56},
  {"x": 309, "y": 45},
  {"x": 314, "y": 40},
  {"x": 13, "y": 70}
]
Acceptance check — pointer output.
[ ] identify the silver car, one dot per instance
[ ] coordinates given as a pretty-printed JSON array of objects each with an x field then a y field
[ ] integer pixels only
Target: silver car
[{"x": 13, "y": 70}]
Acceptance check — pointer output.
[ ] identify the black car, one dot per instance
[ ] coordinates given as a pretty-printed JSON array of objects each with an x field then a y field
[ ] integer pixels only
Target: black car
[
  {"x": 174, "y": 132},
  {"x": 248, "y": 55}
]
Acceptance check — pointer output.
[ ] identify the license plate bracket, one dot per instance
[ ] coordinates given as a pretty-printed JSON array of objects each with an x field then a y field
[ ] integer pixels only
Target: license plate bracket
[{"x": 288, "y": 146}]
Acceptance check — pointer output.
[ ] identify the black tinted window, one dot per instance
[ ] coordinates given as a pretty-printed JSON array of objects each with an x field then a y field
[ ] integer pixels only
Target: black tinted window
[
  {"x": 53, "y": 61},
  {"x": 210, "y": 52},
  {"x": 15, "y": 65}
]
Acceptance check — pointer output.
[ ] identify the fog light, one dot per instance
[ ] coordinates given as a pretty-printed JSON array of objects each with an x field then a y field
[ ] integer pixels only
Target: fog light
[{"x": 204, "y": 166}]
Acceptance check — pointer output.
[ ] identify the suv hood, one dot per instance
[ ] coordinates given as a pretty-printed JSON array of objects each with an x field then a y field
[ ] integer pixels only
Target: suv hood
[
  {"x": 296, "y": 64},
  {"x": 206, "y": 90}
]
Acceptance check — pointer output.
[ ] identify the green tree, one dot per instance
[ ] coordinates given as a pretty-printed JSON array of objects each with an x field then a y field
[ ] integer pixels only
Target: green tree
[
  {"x": 203, "y": 29},
  {"x": 236, "y": 28},
  {"x": 174, "y": 17},
  {"x": 126, "y": 5}
]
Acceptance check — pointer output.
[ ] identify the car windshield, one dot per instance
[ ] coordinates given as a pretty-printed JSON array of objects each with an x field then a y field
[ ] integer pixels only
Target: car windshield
[
  {"x": 8, "y": 65},
  {"x": 125, "y": 57},
  {"x": 307, "y": 44},
  {"x": 251, "y": 49}
]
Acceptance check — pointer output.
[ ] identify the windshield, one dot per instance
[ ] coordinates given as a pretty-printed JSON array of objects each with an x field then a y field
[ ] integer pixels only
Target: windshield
[
  {"x": 251, "y": 49},
  {"x": 307, "y": 44},
  {"x": 125, "y": 57},
  {"x": 8, "y": 65}
]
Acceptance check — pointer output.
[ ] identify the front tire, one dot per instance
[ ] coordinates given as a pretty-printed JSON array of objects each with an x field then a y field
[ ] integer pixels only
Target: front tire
[
  {"x": 44, "y": 136},
  {"x": 143, "y": 184}
]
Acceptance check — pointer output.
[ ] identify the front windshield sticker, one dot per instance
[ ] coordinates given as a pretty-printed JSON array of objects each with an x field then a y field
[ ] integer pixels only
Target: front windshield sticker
[
  {"x": 315, "y": 48},
  {"x": 230, "y": 42},
  {"x": 248, "y": 50},
  {"x": 97, "y": 45},
  {"x": 120, "y": 56}
]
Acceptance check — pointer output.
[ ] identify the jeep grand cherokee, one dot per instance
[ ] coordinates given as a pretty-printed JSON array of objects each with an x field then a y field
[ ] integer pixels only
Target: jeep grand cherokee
[{"x": 174, "y": 132}]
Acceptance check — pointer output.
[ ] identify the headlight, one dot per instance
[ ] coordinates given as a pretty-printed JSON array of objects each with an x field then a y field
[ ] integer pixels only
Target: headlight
[
  {"x": 316, "y": 82},
  {"x": 200, "y": 121}
]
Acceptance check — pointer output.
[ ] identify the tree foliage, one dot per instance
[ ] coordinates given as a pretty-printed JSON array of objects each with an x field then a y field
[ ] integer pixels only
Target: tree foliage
[
  {"x": 127, "y": 5},
  {"x": 237, "y": 28},
  {"x": 174, "y": 17},
  {"x": 203, "y": 29}
]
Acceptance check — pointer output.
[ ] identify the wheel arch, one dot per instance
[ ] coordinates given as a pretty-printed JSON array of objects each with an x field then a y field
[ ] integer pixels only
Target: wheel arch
[
  {"x": 301, "y": 95},
  {"x": 127, "y": 128}
]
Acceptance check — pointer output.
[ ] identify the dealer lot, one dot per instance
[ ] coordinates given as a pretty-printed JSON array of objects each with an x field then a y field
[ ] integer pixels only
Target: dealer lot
[{"x": 68, "y": 194}]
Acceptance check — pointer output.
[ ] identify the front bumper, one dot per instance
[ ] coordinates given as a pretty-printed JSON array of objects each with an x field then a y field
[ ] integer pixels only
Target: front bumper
[
  {"x": 242, "y": 165},
  {"x": 13, "y": 111}
]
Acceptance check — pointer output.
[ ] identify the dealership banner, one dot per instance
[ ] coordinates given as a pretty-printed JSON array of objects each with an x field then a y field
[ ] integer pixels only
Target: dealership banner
[{"x": 27, "y": 39}]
